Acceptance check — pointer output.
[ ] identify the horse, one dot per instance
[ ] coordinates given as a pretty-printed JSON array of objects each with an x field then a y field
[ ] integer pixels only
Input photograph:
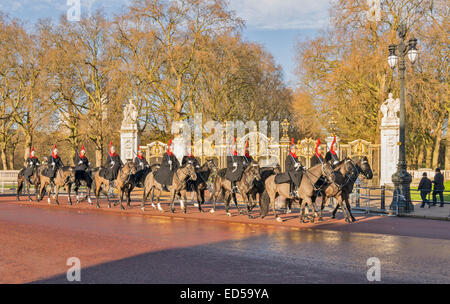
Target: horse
[
  {"x": 178, "y": 187},
  {"x": 200, "y": 184},
  {"x": 120, "y": 182},
  {"x": 22, "y": 182},
  {"x": 305, "y": 190},
  {"x": 259, "y": 187},
  {"x": 137, "y": 180},
  {"x": 223, "y": 187},
  {"x": 83, "y": 178},
  {"x": 64, "y": 178},
  {"x": 350, "y": 169}
]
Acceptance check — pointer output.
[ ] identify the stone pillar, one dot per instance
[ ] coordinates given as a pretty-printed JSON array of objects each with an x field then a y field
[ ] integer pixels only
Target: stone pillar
[
  {"x": 390, "y": 127},
  {"x": 129, "y": 137}
]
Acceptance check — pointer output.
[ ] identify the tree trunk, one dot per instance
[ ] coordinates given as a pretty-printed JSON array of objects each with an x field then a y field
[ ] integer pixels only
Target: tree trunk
[
  {"x": 437, "y": 144},
  {"x": 4, "y": 159},
  {"x": 420, "y": 157},
  {"x": 27, "y": 146},
  {"x": 429, "y": 152},
  {"x": 98, "y": 156},
  {"x": 447, "y": 149}
]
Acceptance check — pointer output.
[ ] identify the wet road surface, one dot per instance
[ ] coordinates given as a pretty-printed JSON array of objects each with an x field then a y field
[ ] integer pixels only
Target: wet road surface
[{"x": 35, "y": 244}]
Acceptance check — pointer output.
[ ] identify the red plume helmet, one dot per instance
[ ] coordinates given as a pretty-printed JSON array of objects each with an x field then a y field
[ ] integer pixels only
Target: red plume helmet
[
  {"x": 292, "y": 146},
  {"x": 110, "y": 145},
  {"x": 332, "y": 145},
  {"x": 234, "y": 151},
  {"x": 82, "y": 149},
  {"x": 317, "y": 147},
  {"x": 53, "y": 152},
  {"x": 246, "y": 150},
  {"x": 168, "y": 147}
]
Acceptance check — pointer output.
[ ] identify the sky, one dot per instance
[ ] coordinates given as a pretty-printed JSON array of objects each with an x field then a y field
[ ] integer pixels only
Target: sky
[{"x": 276, "y": 24}]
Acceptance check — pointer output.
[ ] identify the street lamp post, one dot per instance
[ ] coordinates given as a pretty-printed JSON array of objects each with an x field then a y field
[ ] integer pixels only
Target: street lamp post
[{"x": 402, "y": 179}]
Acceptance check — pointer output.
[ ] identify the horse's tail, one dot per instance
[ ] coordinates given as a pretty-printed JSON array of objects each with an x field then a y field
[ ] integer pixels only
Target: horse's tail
[{"x": 264, "y": 203}]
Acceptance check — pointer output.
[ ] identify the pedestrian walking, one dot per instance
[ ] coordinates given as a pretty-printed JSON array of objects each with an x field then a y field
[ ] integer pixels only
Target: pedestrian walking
[
  {"x": 438, "y": 187},
  {"x": 425, "y": 189}
]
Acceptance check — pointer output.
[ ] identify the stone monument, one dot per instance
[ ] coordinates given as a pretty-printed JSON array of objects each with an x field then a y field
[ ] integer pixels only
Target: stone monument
[
  {"x": 390, "y": 127},
  {"x": 129, "y": 137}
]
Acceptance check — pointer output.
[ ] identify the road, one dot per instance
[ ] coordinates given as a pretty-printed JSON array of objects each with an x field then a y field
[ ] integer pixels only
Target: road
[{"x": 116, "y": 247}]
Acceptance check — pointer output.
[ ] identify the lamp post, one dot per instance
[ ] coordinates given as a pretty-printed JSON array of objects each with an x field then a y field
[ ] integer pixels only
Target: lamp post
[{"x": 402, "y": 179}]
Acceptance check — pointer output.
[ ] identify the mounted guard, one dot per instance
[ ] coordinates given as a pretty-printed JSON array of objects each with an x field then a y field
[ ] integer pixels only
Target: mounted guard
[
  {"x": 235, "y": 167},
  {"x": 32, "y": 164},
  {"x": 294, "y": 171},
  {"x": 169, "y": 165},
  {"x": 331, "y": 155},
  {"x": 112, "y": 165},
  {"x": 190, "y": 158},
  {"x": 54, "y": 163},
  {"x": 247, "y": 157},
  {"x": 318, "y": 155},
  {"x": 140, "y": 162}
]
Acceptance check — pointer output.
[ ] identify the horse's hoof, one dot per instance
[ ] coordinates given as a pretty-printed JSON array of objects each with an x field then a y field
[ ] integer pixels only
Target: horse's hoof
[
  {"x": 195, "y": 204},
  {"x": 279, "y": 220},
  {"x": 109, "y": 206},
  {"x": 229, "y": 214},
  {"x": 333, "y": 216},
  {"x": 353, "y": 219},
  {"x": 184, "y": 211},
  {"x": 201, "y": 211},
  {"x": 142, "y": 208},
  {"x": 250, "y": 216},
  {"x": 172, "y": 211},
  {"x": 98, "y": 206},
  {"x": 347, "y": 220},
  {"x": 320, "y": 219},
  {"x": 211, "y": 211},
  {"x": 161, "y": 210},
  {"x": 288, "y": 211}
]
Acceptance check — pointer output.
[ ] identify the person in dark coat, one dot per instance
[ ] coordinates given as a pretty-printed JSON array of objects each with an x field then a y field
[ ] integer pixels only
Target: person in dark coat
[
  {"x": 235, "y": 167},
  {"x": 190, "y": 158},
  {"x": 169, "y": 165},
  {"x": 293, "y": 168},
  {"x": 113, "y": 164},
  {"x": 54, "y": 163},
  {"x": 81, "y": 163},
  {"x": 140, "y": 162},
  {"x": 32, "y": 164},
  {"x": 331, "y": 156},
  {"x": 318, "y": 157},
  {"x": 424, "y": 188},
  {"x": 438, "y": 187}
]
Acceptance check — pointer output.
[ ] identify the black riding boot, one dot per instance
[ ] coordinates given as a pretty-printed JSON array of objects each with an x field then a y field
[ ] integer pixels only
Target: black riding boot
[
  {"x": 234, "y": 188},
  {"x": 292, "y": 190}
]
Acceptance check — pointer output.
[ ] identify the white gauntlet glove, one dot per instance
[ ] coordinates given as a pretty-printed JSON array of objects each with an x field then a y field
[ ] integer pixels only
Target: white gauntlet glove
[
  {"x": 235, "y": 164},
  {"x": 80, "y": 162}
]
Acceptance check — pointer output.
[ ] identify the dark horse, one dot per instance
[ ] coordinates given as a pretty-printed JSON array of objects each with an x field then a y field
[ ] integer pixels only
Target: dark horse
[
  {"x": 222, "y": 186},
  {"x": 350, "y": 169},
  {"x": 199, "y": 186},
  {"x": 83, "y": 178},
  {"x": 22, "y": 182},
  {"x": 137, "y": 180}
]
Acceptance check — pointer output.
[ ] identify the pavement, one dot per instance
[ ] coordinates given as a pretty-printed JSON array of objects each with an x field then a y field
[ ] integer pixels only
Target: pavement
[
  {"x": 434, "y": 212},
  {"x": 132, "y": 246}
]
